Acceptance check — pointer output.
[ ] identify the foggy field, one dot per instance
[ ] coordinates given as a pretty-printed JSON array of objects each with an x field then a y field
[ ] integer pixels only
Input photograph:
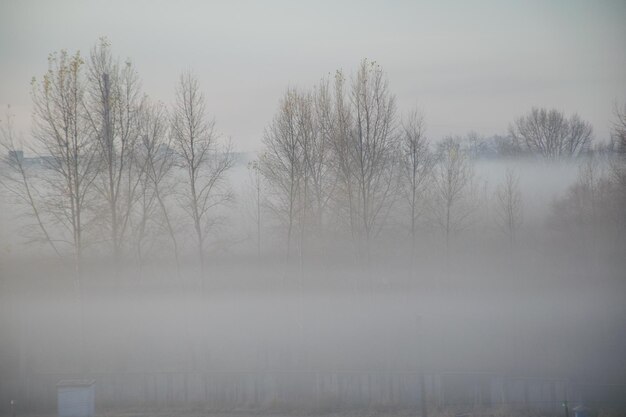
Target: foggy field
[{"x": 352, "y": 330}]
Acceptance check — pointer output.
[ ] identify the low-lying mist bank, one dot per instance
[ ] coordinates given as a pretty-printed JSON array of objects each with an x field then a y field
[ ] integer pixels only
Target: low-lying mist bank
[
  {"x": 545, "y": 335},
  {"x": 475, "y": 269},
  {"x": 511, "y": 314},
  {"x": 248, "y": 226},
  {"x": 151, "y": 343},
  {"x": 333, "y": 319}
]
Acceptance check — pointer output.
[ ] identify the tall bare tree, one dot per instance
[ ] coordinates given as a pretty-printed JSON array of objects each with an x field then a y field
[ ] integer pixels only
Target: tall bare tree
[
  {"x": 156, "y": 160},
  {"x": 365, "y": 148},
  {"x": 415, "y": 168},
  {"x": 450, "y": 200},
  {"x": 509, "y": 208},
  {"x": 282, "y": 163},
  {"x": 317, "y": 176},
  {"x": 203, "y": 157},
  {"x": 114, "y": 106},
  {"x": 64, "y": 143},
  {"x": 319, "y": 157},
  {"x": 336, "y": 122},
  {"x": 308, "y": 137},
  {"x": 550, "y": 134}
]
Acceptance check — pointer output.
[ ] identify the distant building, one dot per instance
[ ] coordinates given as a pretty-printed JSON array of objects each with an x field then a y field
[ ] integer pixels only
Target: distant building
[{"x": 16, "y": 156}]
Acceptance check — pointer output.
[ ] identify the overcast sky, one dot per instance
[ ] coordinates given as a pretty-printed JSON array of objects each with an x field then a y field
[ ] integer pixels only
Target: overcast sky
[{"x": 468, "y": 65}]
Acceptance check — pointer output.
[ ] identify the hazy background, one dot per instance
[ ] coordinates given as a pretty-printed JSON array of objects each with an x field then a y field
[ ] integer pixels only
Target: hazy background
[
  {"x": 468, "y": 65},
  {"x": 540, "y": 317}
]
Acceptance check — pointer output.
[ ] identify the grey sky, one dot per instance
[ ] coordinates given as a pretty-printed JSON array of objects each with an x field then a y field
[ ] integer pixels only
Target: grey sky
[{"x": 467, "y": 65}]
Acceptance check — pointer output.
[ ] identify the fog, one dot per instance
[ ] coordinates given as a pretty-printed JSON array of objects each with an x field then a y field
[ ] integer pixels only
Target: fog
[
  {"x": 365, "y": 231},
  {"x": 529, "y": 326}
]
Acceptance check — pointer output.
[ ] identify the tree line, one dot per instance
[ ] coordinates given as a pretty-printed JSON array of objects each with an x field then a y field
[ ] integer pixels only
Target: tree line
[
  {"x": 341, "y": 155},
  {"x": 121, "y": 169}
]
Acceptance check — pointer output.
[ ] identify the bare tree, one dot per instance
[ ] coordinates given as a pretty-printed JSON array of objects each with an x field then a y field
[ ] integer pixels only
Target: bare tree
[
  {"x": 156, "y": 158},
  {"x": 308, "y": 137},
  {"x": 113, "y": 110},
  {"x": 317, "y": 175},
  {"x": 550, "y": 134},
  {"x": 619, "y": 129},
  {"x": 450, "y": 198},
  {"x": 509, "y": 210},
  {"x": 63, "y": 142},
  {"x": 282, "y": 164},
  {"x": 619, "y": 145},
  {"x": 320, "y": 155},
  {"x": 202, "y": 156},
  {"x": 618, "y": 171},
  {"x": 336, "y": 122},
  {"x": 366, "y": 147},
  {"x": 416, "y": 164}
]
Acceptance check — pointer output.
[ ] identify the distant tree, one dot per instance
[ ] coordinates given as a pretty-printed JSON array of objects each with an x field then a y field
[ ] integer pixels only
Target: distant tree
[
  {"x": 505, "y": 146},
  {"x": 476, "y": 145},
  {"x": 618, "y": 169},
  {"x": 450, "y": 200},
  {"x": 619, "y": 130},
  {"x": 415, "y": 167},
  {"x": 575, "y": 211},
  {"x": 509, "y": 206},
  {"x": 550, "y": 134},
  {"x": 203, "y": 157},
  {"x": 591, "y": 213}
]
